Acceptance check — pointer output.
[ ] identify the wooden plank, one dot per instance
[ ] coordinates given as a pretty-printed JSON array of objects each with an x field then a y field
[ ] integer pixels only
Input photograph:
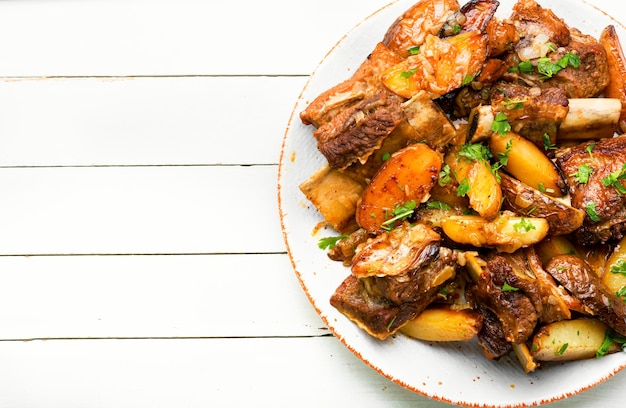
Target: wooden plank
[
  {"x": 139, "y": 210},
  {"x": 153, "y": 296},
  {"x": 145, "y": 121},
  {"x": 303, "y": 372},
  {"x": 140, "y": 37}
]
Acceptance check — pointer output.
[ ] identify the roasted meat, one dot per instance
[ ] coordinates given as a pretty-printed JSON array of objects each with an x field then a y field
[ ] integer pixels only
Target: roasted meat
[
  {"x": 494, "y": 288},
  {"x": 491, "y": 335},
  {"x": 381, "y": 300},
  {"x": 589, "y": 78},
  {"x": 396, "y": 252},
  {"x": 598, "y": 194},
  {"x": 529, "y": 277},
  {"x": 579, "y": 279},
  {"x": 522, "y": 199},
  {"x": 540, "y": 27},
  {"x": 356, "y": 132},
  {"x": 531, "y": 112},
  {"x": 362, "y": 84}
]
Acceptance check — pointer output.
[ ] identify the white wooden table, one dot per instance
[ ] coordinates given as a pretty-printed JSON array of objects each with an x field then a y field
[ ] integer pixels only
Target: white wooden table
[{"x": 141, "y": 258}]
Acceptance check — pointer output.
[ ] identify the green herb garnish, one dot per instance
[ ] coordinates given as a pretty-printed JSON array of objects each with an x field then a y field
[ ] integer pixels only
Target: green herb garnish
[
  {"x": 619, "y": 267},
  {"x": 501, "y": 124},
  {"x": 407, "y": 74},
  {"x": 547, "y": 144},
  {"x": 438, "y": 205},
  {"x": 329, "y": 242},
  {"x": 444, "y": 175},
  {"x": 614, "y": 178},
  {"x": 590, "y": 208},
  {"x": 508, "y": 288},
  {"x": 475, "y": 151},
  {"x": 524, "y": 224},
  {"x": 582, "y": 175},
  {"x": 414, "y": 50},
  {"x": 400, "y": 212},
  {"x": 464, "y": 187}
]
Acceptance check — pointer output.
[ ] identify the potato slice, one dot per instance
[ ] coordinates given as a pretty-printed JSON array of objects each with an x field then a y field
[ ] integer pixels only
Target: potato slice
[
  {"x": 408, "y": 175},
  {"x": 528, "y": 163},
  {"x": 507, "y": 232},
  {"x": 614, "y": 275},
  {"x": 617, "y": 70},
  {"x": 444, "y": 323},
  {"x": 569, "y": 340}
]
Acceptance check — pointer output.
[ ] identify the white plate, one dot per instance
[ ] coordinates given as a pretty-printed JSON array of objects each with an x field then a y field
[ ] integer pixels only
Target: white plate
[{"x": 455, "y": 373}]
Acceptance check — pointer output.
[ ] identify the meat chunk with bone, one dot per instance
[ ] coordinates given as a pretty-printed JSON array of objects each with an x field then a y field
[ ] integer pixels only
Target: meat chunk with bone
[
  {"x": 580, "y": 280},
  {"x": 493, "y": 288},
  {"x": 600, "y": 194},
  {"x": 362, "y": 84},
  {"x": 532, "y": 112}
]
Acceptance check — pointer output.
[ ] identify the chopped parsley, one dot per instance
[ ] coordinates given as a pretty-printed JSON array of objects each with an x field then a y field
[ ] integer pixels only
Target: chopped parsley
[
  {"x": 589, "y": 149},
  {"x": 512, "y": 104},
  {"x": 468, "y": 80},
  {"x": 464, "y": 187},
  {"x": 438, "y": 205},
  {"x": 523, "y": 224},
  {"x": 614, "y": 179},
  {"x": 386, "y": 156},
  {"x": 621, "y": 293},
  {"x": 329, "y": 242},
  {"x": 501, "y": 124},
  {"x": 547, "y": 144},
  {"x": 619, "y": 267},
  {"x": 524, "y": 67},
  {"x": 562, "y": 349},
  {"x": 583, "y": 173},
  {"x": 610, "y": 337},
  {"x": 400, "y": 213},
  {"x": 508, "y": 288},
  {"x": 414, "y": 50},
  {"x": 444, "y": 175},
  {"x": 407, "y": 74},
  {"x": 548, "y": 69},
  {"x": 590, "y": 208},
  {"x": 503, "y": 159},
  {"x": 475, "y": 151}
]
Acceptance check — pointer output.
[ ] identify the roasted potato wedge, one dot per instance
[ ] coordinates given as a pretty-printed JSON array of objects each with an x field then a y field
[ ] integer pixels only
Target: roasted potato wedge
[
  {"x": 485, "y": 193},
  {"x": 335, "y": 195},
  {"x": 408, "y": 175},
  {"x": 553, "y": 246},
  {"x": 483, "y": 190},
  {"x": 523, "y": 199},
  {"x": 617, "y": 70},
  {"x": 614, "y": 276},
  {"x": 444, "y": 323},
  {"x": 528, "y": 163},
  {"x": 570, "y": 340},
  {"x": 507, "y": 232},
  {"x": 441, "y": 66}
]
